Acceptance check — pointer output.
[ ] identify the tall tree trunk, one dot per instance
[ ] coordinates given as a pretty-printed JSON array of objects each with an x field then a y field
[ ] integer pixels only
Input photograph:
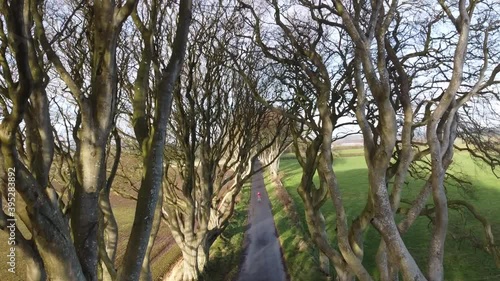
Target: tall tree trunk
[
  {"x": 35, "y": 270},
  {"x": 203, "y": 256},
  {"x": 274, "y": 168},
  {"x": 108, "y": 237},
  {"x": 153, "y": 156},
  {"x": 189, "y": 265},
  {"x": 50, "y": 231},
  {"x": 146, "y": 273},
  {"x": 85, "y": 205},
  {"x": 327, "y": 175},
  {"x": 388, "y": 270},
  {"x": 98, "y": 112},
  {"x": 189, "y": 247},
  {"x": 204, "y": 247},
  {"x": 144, "y": 214},
  {"x": 441, "y": 131},
  {"x": 324, "y": 262},
  {"x": 385, "y": 224},
  {"x": 40, "y": 150},
  {"x": 108, "y": 227}
]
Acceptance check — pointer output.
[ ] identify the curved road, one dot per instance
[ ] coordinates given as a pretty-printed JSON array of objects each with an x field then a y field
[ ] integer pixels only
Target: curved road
[{"x": 263, "y": 260}]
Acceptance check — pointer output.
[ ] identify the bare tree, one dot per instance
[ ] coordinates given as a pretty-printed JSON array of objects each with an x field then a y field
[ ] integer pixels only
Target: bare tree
[
  {"x": 84, "y": 42},
  {"x": 385, "y": 73},
  {"x": 23, "y": 80},
  {"x": 152, "y": 141},
  {"x": 97, "y": 107},
  {"x": 218, "y": 131},
  {"x": 270, "y": 157},
  {"x": 319, "y": 100}
]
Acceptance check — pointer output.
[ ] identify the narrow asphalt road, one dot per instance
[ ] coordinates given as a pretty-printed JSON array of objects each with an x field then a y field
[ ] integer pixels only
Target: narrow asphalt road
[{"x": 262, "y": 261}]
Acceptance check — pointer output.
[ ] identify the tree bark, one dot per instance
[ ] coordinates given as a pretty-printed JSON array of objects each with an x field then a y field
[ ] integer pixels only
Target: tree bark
[
  {"x": 108, "y": 237},
  {"x": 189, "y": 245},
  {"x": 189, "y": 266},
  {"x": 146, "y": 273},
  {"x": 153, "y": 156},
  {"x": 441, "y": 125},
  {"x": 274, "y": 168},
  {"x": 85, "y": 206},
  {"x": 98, "y": 112},
  {"x": 34, "y": 268},
  {"x": 50, "y": 231},
  {"x": 108, "y": 227},
  {"x": 203, "y": 256}
]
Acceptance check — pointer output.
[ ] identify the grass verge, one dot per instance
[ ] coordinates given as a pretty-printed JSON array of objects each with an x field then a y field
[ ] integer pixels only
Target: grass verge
[
  {"x": 301, "y": 258},
  {"x": 227, "y": 251}
]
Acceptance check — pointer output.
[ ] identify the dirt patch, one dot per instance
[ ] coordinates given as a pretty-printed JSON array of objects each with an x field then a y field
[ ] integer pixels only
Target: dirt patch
[{"x": 124, "y": 210}]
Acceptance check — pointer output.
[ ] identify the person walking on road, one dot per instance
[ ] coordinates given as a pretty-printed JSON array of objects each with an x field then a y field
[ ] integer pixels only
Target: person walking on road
[{"x": 258, "y": 196}]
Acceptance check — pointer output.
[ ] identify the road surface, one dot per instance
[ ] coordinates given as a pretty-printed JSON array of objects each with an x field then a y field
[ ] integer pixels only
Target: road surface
[{"x": 263, "y": 260}]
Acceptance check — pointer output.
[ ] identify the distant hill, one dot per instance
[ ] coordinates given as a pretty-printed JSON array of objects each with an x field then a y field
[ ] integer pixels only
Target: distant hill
[{"x": 352, "y": 140}]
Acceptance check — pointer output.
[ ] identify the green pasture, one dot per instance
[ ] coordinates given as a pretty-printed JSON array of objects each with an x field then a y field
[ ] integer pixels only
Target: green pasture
[
  {"x": 300, "y": 255},
  {"x": 463, "y": 260}
]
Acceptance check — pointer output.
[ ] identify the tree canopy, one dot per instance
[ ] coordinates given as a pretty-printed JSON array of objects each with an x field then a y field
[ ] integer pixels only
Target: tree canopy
[{"x": 197, "y": 91}]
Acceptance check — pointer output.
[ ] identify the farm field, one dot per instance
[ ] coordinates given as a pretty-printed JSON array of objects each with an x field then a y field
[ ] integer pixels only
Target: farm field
[
  {"x": 165, "y": 252},
  {"x": 225, "y": 253},
  {"x": 463, "y": 261}
]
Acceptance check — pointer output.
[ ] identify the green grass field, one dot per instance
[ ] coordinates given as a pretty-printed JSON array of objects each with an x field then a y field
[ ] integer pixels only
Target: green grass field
[{"x": 463, "y": 261}]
